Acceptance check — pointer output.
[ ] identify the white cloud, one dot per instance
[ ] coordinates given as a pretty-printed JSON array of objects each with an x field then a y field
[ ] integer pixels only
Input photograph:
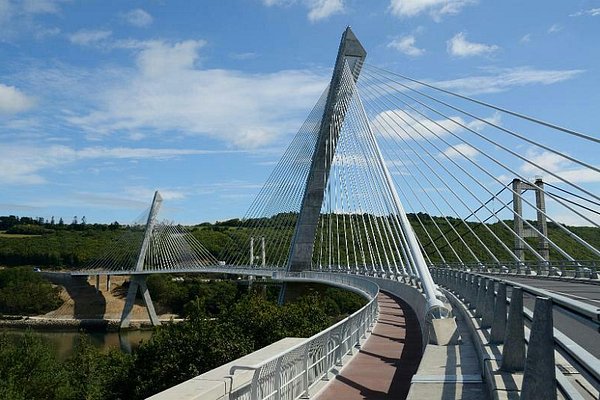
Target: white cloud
[
  {"x": 593, "y": 12},
  {"x": 12, "y": 100},
  {"x": 23, "y": 163},
  {"x": 86, "y": 37},
  {"x": 322, "y": 9},
  {"x": 244, "y": 56},
  {"x": 161, "y": 58},
  {"x": 140, "y": 192},
  {"x": 555, "y": 28},
  {"x": 558, "y": 165},
  {"x": 569, "y": 218},
  {"x": 169, "y": 92},
  {"x": 105, "y": 200},
  {"x": 317, "y": 9},
  {"x": 406, "y": 45},
  {"x": 18, "y": 17},
  {"x": 456, "y": 150},
  {"x": 504, "y": 79},
  {"x": 280, "y": 3},
  {"x": 409, "y": 125},
  {"x": 138, "y": 17},
  {"x": 435, "y": 8},
  {"x": 41, "y": 6},
  {"x": 526, "y": 38},
  {"x": 459, "y": 46},
  {"x": 478, "y": 125}
]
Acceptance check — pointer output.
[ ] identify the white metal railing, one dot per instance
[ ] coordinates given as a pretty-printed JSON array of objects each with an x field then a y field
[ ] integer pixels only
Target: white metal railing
[{"x": 291, "y": 374}]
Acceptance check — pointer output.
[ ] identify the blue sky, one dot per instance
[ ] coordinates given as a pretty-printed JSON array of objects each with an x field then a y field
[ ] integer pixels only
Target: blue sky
[{"x": 102, "y": 102}]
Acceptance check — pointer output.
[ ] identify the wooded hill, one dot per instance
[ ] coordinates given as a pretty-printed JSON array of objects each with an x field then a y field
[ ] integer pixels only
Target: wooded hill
[{"x": 28, "y": 241}]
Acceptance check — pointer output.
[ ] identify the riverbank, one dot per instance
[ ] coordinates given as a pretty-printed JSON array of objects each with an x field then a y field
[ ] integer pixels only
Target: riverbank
[
  {"x": 87, "y": 307},
  {"x": 75, "y": 325}
]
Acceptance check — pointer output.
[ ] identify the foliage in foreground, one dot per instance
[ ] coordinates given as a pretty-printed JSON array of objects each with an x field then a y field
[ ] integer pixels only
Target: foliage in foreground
[{"x": 176, "y": 352}]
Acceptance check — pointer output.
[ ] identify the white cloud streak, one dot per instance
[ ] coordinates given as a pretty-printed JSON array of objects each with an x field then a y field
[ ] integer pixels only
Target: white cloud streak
[
  {"x": 317, "y": 9},
  {"x": 555, "y": 28},
  {"x": 406, "y": 45},
  {"x": 18, "y": 17},
  {"x": 322, "y": 9},
  {"x": 592, "y": 12},
  {"x": 22, "y": 164},
  {"x": 168, "y": 92},
  {"x": 405, "y": 124},
  {"x": 460, "y": 151},
  {"x": 459, "y": 46},
  {"x": 435, "y": 8},
  {"x": 558, "y": 165},
  {"x": 504, "y": 79},
  {"x": 88, "y": 37}
]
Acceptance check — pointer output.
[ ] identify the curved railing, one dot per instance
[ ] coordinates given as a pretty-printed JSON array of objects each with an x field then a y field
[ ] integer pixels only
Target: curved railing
[{"x": 291, "y": 374}]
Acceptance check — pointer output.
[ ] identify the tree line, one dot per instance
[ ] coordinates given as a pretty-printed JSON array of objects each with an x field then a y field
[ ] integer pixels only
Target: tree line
[
  {"x": 221, "y": 326},
  {"x": 75, "y": 245}
]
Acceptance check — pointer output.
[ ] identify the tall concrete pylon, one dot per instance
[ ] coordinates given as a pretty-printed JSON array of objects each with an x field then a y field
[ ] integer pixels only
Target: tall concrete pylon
[
  {"x": 352, "y": 52},
  {"x": 138, "y": 281}
]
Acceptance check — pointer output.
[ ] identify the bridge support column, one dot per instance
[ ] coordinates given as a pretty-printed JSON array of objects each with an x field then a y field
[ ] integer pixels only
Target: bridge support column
[{"x": 138, "y": 282}]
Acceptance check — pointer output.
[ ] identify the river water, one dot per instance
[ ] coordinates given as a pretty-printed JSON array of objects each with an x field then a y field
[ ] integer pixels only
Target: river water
[{"x": 64, "y": 342}]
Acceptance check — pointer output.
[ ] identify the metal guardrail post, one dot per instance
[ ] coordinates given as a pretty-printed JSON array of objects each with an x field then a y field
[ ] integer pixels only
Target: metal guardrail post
[
  {"x": 539, "y": 378},
  {"x": 305, "y": 384},
  {"x": 499, "y": 322},
  {"x": 255, "y": 382},
  {"x": 480, "y": 294},
  {"x": 278, "y": 372},
  {"x": 488, "y": 304},
  {"x": 513, "y": 352},
  {"x": 471, "y": 282}
]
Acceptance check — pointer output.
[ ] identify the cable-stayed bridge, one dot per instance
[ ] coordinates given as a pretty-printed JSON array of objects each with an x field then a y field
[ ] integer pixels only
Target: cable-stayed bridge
[{"x": 394, "y": 181}]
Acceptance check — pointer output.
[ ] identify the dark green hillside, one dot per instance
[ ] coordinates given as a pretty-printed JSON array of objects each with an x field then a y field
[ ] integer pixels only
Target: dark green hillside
[{"x": 27, "y": 241}]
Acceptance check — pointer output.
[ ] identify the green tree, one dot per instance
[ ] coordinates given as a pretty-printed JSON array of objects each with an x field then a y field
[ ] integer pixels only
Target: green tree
[{"x": 29, "y": 369}]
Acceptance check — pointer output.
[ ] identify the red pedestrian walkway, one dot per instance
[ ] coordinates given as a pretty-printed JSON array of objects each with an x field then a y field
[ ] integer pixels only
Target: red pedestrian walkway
[{"x": 386, "y": 362}]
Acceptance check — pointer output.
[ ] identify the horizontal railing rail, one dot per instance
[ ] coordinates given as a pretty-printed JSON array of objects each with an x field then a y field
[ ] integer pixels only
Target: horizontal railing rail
[
  {"x": 291, "y": 374},
  {"x": 582, "y": 269}
]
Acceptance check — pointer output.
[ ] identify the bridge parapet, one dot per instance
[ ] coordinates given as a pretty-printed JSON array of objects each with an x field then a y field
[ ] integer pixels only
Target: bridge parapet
[
  {"x": 552, "y": 357},
  {"x": 565, "y": 269},
  {"x": 292, "y": 372},
  {"x": 302, "y": 367}
]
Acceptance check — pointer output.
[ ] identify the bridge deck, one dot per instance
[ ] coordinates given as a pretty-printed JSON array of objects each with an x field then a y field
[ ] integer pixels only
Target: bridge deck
[{"x": 385, "y": 364}]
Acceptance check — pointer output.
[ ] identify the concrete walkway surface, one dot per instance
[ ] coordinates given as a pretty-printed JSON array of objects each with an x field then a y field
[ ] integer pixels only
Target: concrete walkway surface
[{"x": 388, "y": 359}]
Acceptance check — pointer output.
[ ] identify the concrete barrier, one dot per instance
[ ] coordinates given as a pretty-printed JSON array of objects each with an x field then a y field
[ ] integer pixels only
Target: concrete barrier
[{"x": 539, "y": 379}]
